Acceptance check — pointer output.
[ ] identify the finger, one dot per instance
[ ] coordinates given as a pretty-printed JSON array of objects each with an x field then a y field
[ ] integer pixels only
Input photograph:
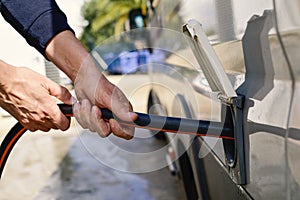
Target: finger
[
  {"x": 85, "y": 112},
  {"x": 61, "y": 93},
  {"x": 76, "y": 112},
  {"x": 93, "y": 120},
  {"x": 44, "y": 129},
  {"x": 129, "y": 130},
  {"x": 121, "y": 106},
  {"x": 47, "y": 124},
  {"x": 123, "y": 110},
  {"x": 35, "y": 126},
  {"x": 31, "y": 128},
  {"x": 59, "y": 120},
  {"x": 101, "y": 127},
  {"x": 114, "y": 99},
  {"x": 35, "y": 123},
  {"x": 119, "y": 131}
]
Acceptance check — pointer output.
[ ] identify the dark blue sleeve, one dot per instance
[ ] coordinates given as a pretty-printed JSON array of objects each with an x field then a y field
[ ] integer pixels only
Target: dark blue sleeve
[{"x": 38, "y": 21}]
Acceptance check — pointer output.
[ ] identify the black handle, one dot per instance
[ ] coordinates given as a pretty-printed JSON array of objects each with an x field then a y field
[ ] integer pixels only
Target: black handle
[{"x": 168, "y": 124}]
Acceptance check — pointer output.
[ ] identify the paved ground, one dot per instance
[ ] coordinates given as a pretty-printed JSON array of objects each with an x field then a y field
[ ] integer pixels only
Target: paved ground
[{"x": 78, "y": 164}]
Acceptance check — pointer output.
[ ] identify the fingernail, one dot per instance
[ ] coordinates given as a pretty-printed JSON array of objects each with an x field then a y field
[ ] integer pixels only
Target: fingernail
[
  {"x": 133, "y": 116},
  {"x": 76, "y": 108},
  {"x": 85, "y": 103},
  {"x": 129, "y": 137},
  {"x": 95, "y": 111}
]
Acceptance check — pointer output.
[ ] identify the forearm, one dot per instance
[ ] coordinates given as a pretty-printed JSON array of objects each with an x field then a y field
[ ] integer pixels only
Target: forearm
[{"x": 67, "y": 53}]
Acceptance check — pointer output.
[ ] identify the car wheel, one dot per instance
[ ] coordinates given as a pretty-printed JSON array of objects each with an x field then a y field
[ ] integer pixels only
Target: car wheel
[{"x": 187, "y": 177}]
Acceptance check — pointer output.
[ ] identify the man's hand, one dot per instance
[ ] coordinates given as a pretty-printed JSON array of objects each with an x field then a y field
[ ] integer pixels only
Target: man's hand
[
  {"x": 27, "y": 96},
  {"x": 93, "y": 90}
]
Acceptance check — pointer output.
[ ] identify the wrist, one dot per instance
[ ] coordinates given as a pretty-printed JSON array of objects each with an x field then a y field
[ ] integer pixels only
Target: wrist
[
  {"x": 7, "y": 71},
  {"x": 67, "y": 53}
]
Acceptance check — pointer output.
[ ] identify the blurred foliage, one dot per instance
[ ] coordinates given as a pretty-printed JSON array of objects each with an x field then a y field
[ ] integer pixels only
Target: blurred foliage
[
  {"x": 170, "y": 17},
  {"x": 105, "y": 18}
]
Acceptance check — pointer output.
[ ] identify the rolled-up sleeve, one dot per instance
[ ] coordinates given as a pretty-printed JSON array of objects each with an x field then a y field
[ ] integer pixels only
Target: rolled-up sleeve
[{"x": 38, "y": 21}]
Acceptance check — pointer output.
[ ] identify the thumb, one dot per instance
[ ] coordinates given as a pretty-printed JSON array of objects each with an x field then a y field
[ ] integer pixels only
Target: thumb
[{"x": 60, "y": 93}]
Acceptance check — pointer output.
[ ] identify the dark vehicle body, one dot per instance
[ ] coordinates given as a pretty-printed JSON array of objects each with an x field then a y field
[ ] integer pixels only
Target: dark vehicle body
[{"x": 261, "y": 59}]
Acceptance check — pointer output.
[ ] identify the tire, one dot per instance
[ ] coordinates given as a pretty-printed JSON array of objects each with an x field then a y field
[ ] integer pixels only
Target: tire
[{"x": 187, "y": 177}]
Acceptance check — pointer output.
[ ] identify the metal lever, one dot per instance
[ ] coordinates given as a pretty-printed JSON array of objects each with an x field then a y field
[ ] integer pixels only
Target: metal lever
[
  {"x": 233, "y": 104},
  {"x": 208, "y": 61}
]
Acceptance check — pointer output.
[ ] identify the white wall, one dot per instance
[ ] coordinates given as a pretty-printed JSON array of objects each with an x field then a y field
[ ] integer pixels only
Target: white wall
[{"x": 15, "y": 50}]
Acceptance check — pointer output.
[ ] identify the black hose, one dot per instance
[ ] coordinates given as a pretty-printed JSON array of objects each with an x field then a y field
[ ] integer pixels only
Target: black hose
[
  {"x": 152, "y": 122},
  {"x": 9, "y": 142},
  {"x": 15, "y": 134}
]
